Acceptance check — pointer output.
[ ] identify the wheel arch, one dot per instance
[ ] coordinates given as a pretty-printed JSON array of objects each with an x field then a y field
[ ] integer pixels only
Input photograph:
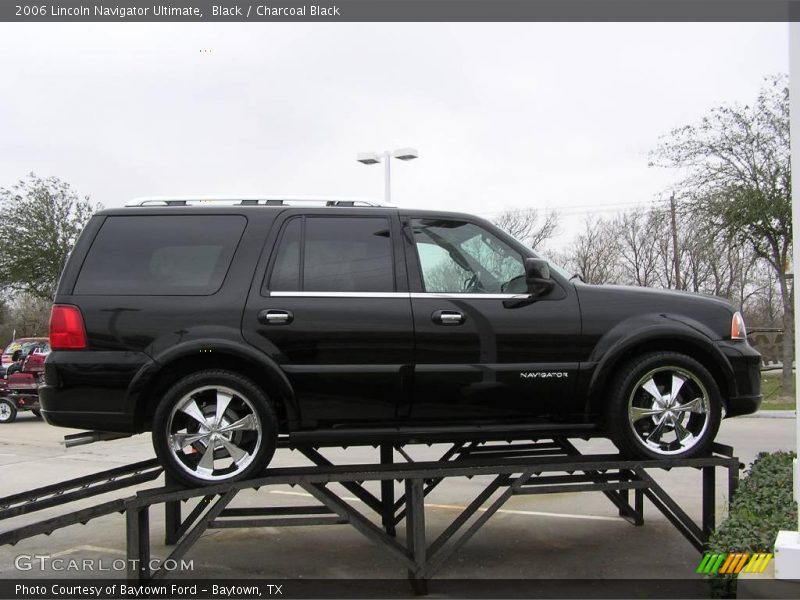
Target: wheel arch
[
  {"x": 685, "y": 342},
  {"x": 152, "y": 382}
]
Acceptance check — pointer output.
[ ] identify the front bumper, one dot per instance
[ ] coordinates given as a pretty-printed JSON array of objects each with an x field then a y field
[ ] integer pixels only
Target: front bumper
[{"x": 744, "y": 396}]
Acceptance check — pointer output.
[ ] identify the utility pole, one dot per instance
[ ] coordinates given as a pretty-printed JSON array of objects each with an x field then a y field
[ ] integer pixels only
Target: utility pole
[{"x": 675, "y": 255}]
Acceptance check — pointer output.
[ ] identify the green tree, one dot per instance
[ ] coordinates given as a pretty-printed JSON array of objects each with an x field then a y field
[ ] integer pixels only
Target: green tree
[
  {"x": 736, "y": 175},
  {"x": 41, "y": 218}
]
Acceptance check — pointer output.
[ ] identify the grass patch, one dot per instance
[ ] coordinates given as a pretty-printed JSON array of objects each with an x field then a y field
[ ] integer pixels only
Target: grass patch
[
  {"x": 774, "y": 399},
  {"x": 763, "y": 505}
]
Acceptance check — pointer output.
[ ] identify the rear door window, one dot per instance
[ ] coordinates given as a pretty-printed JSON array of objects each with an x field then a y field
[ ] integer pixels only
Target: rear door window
[
  {"x": 334, "y": 254},
  {"x": 166, "y": 255}
]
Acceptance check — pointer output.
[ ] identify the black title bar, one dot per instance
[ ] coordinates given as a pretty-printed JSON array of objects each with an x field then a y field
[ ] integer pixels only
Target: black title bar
[
  {"x": 334, "y": 589},
  {"x": 401, "y": 10}
]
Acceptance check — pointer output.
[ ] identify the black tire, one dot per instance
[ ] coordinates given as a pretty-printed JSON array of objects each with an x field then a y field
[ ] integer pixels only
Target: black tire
[
  {"x": 248, "y": 399},
  {"x": 8, "y": 411},
  {"x": 37, "y": 413},
  {"x": 628, "y": 416}
]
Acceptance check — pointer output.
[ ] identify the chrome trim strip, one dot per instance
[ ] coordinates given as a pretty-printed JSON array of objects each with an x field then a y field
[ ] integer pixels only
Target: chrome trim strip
[
  {"x": 415, "y": 295},
  {"x": 339, "y": 294},
  {"x": 469, "y": 296}
]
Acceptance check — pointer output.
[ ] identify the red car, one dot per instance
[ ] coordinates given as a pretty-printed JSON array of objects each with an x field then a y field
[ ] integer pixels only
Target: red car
[
  {"x": 20, "y": 344},
  {"x": 19, "y": 390}
]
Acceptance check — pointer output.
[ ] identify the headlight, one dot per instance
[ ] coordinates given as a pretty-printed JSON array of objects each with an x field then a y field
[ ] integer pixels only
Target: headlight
[{"x": 738, "y": 331}]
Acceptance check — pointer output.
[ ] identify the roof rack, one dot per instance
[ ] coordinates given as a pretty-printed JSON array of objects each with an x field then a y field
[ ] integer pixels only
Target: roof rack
[{"x": 251, "y": 201}]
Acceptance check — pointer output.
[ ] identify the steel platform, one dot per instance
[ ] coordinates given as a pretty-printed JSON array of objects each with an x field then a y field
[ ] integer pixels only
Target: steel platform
[{"x": 538, "y": 466}]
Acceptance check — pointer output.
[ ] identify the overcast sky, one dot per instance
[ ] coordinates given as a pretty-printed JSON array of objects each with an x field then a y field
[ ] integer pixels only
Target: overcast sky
[{"x": 503, "y": 115}]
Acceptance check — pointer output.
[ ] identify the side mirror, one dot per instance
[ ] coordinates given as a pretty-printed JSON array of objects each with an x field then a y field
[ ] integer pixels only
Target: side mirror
[
  {"x": 16, "y": 355},
  {"x": 537, "y": 280},
  {"x": 537, "y": 276}
]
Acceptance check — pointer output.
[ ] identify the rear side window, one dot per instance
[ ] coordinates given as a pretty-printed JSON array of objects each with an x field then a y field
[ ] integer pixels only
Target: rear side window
[
  {"x": 169, "y": 255},
  {"x": 286, "y": 272},
  {"x": 334, "y": 254}
]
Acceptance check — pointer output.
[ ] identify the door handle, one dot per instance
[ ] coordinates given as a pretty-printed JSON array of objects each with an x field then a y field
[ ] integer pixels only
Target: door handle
[
  {"x": 275, "y": 317},
  {"x": 448, "y": 317}
]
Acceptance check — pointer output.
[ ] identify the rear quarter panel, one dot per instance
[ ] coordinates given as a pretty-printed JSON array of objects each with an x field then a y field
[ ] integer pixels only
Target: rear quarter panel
[{"x": 130, "y": 335}]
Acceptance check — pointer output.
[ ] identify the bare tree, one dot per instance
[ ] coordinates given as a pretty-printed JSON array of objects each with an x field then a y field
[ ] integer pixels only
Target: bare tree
[
  {"x": 28, "y": 315},
  {"x": 528, "y": 225},
  {"x": 595, "y": 253},
  {"x": 737, "y": 175},
  {"x": 638, "y": 237}
]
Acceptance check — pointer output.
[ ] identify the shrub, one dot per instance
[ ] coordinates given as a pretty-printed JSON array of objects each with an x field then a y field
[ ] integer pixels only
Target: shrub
[{"x": 762, "y": 506}]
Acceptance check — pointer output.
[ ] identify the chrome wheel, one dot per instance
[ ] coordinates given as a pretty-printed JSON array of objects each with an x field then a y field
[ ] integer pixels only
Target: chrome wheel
[
  {"x": 669, "y": 410},
  {"x": 5, "y": 412},
  {"x": 214, "y": 433}
]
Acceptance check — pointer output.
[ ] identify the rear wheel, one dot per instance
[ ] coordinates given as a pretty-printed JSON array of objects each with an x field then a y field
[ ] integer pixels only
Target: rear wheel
[
  {"x": 214, "y": 426},
  {"x": 8, "y": 412},
  {"x": 664, "y": 405}
]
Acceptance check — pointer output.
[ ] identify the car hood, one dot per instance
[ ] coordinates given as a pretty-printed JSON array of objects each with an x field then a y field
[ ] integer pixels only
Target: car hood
[
  {"x": 661, "y": 297},
  {"x": 605, "y": 306}
]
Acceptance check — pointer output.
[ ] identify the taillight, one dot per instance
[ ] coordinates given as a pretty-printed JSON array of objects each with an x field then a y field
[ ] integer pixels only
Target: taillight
[
  {"x": 66, "y": 328},
  {"x": 738, "y": 331}
]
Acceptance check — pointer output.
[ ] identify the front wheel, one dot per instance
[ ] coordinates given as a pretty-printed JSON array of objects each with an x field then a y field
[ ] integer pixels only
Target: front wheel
[
  {"x": 664, "y": 405},
  {"x": 8, "y": 412},
  {"x": 214, "y": 426}
]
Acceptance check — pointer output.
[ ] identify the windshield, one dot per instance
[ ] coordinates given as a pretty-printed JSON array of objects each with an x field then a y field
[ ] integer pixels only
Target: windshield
[{"x": 27, "y": 345}]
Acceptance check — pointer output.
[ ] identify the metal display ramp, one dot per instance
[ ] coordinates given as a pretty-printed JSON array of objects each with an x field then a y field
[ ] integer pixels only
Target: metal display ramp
[{"x": 537, "y": 466}]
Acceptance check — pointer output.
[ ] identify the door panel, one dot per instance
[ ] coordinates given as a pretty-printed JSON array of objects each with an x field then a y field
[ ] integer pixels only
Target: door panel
[
  {"x": 344, "y": 356},
  {"x": 332, "y": 315},
  {"x": 476, "y": 355},
  {"x": 499, "y": 363}
]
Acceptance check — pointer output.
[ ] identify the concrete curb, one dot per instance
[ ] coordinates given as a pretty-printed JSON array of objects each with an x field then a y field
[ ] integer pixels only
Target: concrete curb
[{"x": 773, "y": 414}]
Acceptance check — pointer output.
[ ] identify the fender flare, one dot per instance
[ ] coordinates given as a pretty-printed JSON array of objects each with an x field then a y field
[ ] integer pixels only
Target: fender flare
[
  {"x": 142, "y": 382},
  {"x": 612, "y": 348}
]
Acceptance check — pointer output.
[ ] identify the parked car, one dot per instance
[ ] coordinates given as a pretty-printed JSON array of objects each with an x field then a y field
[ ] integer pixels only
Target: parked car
[
  {"x": 19, "y": 385},
  {"x": 19, "y": 344},
  {"x": 217, "y": 326}
]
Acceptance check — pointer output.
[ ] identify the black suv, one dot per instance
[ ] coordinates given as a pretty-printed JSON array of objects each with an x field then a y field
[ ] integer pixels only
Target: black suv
[{"x": 219, "y": 325}]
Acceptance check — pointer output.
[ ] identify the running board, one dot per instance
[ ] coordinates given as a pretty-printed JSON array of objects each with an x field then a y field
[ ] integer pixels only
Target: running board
[{"x": 439, "y": 433}]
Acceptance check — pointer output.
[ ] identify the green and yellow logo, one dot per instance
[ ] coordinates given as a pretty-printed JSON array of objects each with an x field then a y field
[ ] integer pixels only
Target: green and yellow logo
[{"x": 733, "y": 563}]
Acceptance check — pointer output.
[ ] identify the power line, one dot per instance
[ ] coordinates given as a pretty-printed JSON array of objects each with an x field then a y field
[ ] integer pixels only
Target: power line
[{"x": 586, "y": 208}]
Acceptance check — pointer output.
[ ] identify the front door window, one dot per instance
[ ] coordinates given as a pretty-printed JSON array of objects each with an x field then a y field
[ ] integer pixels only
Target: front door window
[{"x": 457, "y": 257}]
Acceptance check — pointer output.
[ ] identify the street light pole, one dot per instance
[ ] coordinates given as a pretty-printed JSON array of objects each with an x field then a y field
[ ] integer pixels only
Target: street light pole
[
  {"x": 387, "y": 178},
  {"x": 373, "y": 158}
]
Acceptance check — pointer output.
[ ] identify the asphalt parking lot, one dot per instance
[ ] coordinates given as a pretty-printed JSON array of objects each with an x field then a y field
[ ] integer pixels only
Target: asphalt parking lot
[{"x": 564, "y": 536}]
